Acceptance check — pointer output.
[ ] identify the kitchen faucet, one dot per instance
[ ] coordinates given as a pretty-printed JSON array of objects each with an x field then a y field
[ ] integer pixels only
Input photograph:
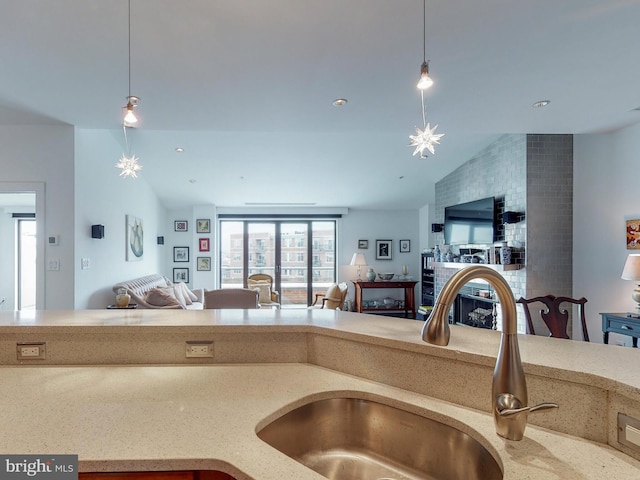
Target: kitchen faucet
[{"x": 509, "y": 389}]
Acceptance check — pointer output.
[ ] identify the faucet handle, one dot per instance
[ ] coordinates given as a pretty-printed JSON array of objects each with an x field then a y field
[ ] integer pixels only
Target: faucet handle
[{"x": 508, "y": 405}]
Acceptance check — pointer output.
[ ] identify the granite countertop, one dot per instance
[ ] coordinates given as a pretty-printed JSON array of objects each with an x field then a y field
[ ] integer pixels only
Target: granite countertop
[
  {"x": 163, "y": 416},
  {"x": 128, "y": 418}
]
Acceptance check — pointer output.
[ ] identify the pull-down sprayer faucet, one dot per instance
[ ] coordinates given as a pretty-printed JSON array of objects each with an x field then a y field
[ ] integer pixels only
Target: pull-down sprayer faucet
[{"x": 509, "y": 389}]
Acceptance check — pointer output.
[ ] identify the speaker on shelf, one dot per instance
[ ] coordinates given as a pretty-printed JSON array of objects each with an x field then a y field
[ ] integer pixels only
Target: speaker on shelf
[
  {"x": 437, "y": 227},
  {"x": 511, "y": 217},
  {"x": 97, "y": 231}
]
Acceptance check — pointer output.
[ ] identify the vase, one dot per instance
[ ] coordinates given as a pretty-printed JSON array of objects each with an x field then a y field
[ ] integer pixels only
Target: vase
[
  {"x": 371, "y": 275},
  {"x": 122, "y": 298},
  {"x": 437, "y": 254},
  {"x": 505, "y": 254}
]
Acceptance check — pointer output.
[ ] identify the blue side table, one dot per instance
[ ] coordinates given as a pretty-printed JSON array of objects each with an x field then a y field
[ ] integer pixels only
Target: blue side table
[{"x": 622, "y": 324}]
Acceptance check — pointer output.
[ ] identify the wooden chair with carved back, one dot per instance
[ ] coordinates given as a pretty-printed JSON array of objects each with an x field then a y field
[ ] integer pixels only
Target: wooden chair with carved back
[{"x": 555, "y": 317}]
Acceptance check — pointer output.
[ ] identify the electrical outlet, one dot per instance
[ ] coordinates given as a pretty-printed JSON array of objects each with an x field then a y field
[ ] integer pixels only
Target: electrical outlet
[
  {"x": 85, "y": 263},
  {"x": 199, "y": 349},
  {"x": 31, "y": 351}
]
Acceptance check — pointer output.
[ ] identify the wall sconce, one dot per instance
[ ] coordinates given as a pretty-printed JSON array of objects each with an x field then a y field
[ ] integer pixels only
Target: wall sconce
[
  {"x": 437, "y": 227},
  {"x": 97, "y": 231},
  {"x": 512, "y": 217}
]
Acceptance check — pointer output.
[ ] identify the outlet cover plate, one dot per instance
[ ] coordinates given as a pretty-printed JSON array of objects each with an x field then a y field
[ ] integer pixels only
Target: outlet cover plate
[
  {"x": 31, "y": 351},
  {"x": 199, "y": 349}
]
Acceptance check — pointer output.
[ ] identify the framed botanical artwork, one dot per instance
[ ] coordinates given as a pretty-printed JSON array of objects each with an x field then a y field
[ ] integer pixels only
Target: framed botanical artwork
[
  {"x": 180, "y": 275},
  {"x": 633, "y": 234},
  {"x": 204, "y": 244},
  {"x": 383, "y": 249},
  {"x": 204, "y": 264},
  {"x": 181, "y": 226},
  {"x": 135, "y": 238},
  {"x": 203, "y": 225},
  {"x": 180, "y": 254},
  {"x": 363, "y": 243},
  {"x": 405, "y": 246}
]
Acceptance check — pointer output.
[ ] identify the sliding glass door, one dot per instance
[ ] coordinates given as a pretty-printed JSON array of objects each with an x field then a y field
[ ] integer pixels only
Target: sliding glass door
[{"x": 299, "y": 256}]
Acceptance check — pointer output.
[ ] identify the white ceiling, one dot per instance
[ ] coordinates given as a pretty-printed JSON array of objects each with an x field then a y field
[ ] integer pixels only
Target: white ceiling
[{"x": 246, "y": 86}]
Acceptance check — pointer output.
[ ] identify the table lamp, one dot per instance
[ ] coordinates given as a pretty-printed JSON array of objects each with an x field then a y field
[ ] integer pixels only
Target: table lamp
[
  {"x": 359, "y": 261},
  {"x": 631, "y": 271}
]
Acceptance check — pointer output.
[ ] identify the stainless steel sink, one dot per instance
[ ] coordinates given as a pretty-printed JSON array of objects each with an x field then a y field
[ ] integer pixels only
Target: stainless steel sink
[{"x": 355, "y": 439}]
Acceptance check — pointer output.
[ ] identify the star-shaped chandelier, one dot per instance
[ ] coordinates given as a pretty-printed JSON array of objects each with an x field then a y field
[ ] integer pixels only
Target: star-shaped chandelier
[
  {"x": 425, "y": 139},
  {"x": 129, "y": 166}
]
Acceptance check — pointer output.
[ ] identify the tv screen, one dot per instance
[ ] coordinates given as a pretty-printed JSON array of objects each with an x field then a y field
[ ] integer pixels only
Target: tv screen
[{"x": 470, "y": 223}]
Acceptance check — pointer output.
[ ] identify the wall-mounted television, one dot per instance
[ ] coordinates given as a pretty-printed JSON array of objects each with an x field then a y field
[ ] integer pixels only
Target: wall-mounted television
[{"x": 470, "y": 223}]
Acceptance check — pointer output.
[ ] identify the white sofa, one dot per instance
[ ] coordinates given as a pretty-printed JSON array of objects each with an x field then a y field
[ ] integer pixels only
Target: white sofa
[{"x": 138, "y": 287}]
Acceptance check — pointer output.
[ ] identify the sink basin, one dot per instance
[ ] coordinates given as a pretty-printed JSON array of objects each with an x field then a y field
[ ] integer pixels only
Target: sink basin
[{"x": 350, "y": 438}]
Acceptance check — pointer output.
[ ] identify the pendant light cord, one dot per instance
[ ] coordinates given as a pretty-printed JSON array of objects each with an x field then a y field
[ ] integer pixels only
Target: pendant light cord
[
  {"x": 424, "y": 30},
  {"x": 129, "y": 39}
]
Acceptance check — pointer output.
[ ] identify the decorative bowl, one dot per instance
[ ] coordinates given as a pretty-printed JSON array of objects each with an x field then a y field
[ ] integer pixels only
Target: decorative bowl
[{"x": 385, "y": 276}]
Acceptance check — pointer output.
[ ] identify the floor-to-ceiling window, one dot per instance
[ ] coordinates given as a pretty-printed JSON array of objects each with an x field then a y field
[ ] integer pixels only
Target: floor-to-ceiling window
[{"x": 299, "y": 255}]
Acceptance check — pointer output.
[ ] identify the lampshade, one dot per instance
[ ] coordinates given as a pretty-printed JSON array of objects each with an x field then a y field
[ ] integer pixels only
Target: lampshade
[
  {"x": 358, "y": 259},
  {"x": 631, "y": 270}
]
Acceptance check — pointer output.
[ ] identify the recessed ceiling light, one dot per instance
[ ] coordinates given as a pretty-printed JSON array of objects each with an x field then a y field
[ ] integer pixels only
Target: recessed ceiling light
[
  {"x": 339, "y": 102},
  {"x": 541, "y": 103},
  {"x": 179, "y": 149}
]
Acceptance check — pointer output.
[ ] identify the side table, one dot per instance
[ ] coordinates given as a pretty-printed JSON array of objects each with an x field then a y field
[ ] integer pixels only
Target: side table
[
  {"x": 622, "y": 324},
  {"x": 409, "y": 295}
]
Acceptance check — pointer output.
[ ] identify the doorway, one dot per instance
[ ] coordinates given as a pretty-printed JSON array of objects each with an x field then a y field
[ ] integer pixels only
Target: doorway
[
  {"x": 300, "y": 256},
  {"x": 21, "y": 255}
]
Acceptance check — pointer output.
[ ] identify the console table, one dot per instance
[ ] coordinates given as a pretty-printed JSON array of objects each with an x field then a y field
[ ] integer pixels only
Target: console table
[
  {"x": 620, "y": 323},
  {"x": 409, "y": 295}
]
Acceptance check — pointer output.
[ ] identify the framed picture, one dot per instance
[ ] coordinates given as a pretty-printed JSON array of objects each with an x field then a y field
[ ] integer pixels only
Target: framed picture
[
  {"x": 363, "y": 243},
  {"x": 204, "y": 264},
  {"x": 180, "y": 254},
  {"x": 203, "y": 225},
  {"x": 180, "y": 275},
  {"x": 135, "y": 239},
  {"x": 204, "y": 244},
  {"x": 633, "y": 234},
  {"x": 383, "y": 249},
  {"x": 181, "y": 226},
  {"x": 405, "y": 246}
]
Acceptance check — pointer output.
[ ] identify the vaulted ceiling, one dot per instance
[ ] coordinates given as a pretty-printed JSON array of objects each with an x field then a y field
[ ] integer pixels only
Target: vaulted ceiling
[{"x": 246, "y": 87}]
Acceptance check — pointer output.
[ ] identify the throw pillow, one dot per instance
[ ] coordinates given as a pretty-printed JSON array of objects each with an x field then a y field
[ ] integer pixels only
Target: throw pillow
[
  {"x": 186, "y": 293},
  {"x": 264, "y": 287},
  {"x": 177, "y": 291},
  {"x": 264, "y": 293},
  {"x": 160, "y": 297},
  {"x": 192, "y": 296}
]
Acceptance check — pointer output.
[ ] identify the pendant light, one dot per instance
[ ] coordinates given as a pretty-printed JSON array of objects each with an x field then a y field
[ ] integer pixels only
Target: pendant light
[
  {"x": 424, "y": 139},
  {"x": 129, "y": 163}
]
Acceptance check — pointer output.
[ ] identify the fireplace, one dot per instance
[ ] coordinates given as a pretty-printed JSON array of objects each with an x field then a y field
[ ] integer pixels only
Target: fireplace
[{"x": 475, "y": 306}]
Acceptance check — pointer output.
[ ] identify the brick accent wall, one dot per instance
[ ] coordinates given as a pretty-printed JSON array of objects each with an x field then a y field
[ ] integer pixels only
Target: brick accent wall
[
  {"x": 530, "y": 174},
  {"x": 549, "y": 223}
]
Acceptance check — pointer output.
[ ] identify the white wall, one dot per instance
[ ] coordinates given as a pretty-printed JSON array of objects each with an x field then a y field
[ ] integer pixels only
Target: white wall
[
  {"x": 103, "y": 197},
  {"x": 44, "y": 155},
  {"x": 191, "y": 238},
  {"x": 605, "y": 196},
  {"x": 380, "y": 225}
]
